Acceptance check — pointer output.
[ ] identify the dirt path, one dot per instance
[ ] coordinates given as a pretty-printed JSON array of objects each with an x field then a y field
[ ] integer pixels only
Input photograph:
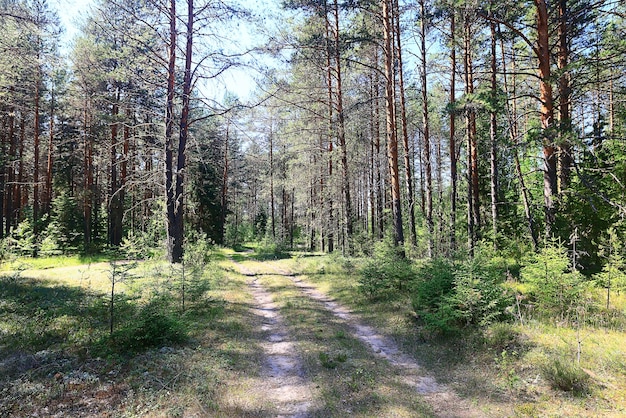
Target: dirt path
[
  {"x": 287, "y": 388},
  {"x": 443, "y": 400}
]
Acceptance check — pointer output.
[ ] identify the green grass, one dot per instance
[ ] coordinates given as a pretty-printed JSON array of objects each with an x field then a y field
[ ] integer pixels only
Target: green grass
[
  {"x": 55, "y": 351},
  {"x": 42, "y": 263},
  {"x": 352, "y": 380},
  {"x": 500, "y": 368}
]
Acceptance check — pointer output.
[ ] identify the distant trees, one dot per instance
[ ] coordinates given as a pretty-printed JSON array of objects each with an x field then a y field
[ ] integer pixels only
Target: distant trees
[{"x": 453, "y": 123}]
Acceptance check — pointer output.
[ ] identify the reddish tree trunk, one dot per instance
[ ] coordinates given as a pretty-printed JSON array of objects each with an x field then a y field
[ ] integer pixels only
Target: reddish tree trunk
[
  {"x": 405, "y": 134},
  {"x": 547, "y": 113},
  {"x": 453, "y": 159},
  {"x": 392, "y": 139}
]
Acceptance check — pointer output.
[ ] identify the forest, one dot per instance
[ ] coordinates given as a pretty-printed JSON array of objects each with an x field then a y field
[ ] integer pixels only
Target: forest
[{"x": 452, "y": 173}]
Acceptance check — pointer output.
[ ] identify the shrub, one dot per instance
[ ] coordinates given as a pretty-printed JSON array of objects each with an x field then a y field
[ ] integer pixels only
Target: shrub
[
  {"x": 270, "y": 250},
  {"x": 434, "y": 281},
  {"x": 502, "y": 336},
  {"x": 449, "y": 296},
  {"x": 478, "y": 298},
  {"x": 551, "y": 283},
  {"x": 566, "y": 375},
  {"x": 152, "y": 326},
  {"x": 385, "y": 273}
]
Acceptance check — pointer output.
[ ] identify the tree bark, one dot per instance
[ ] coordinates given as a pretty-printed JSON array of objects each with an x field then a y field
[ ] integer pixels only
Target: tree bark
[
  {"x": 547, "y": 113},
  {"x": 473, "y": 202},
  {"x": 89, "y": 183},
  {"x": 177, "y": 222},
  {"x": 171, "y": 203},
  {"x": 392, "y": 139},
  {"x": 514, "y": 135},
  {"x": 115, "y": 210},
  {"x": 48, "y": 192},
  {"x": 225, "y": 174},
  {"x": 331, "y": 220},
  {"x": 453, "y": 151},
  {"x": 341, "y": 131},
  {"x": 565, "y": 119},
  {"x": 36, "y": 144},
  {"x": 405, "y": 134},
  {"x": 493, "y": 136},
  {"x": 426, "y": 132}
]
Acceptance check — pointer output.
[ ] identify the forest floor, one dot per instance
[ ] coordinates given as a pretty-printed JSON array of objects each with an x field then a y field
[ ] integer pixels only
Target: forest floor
[{"x": 271, "y": 338}]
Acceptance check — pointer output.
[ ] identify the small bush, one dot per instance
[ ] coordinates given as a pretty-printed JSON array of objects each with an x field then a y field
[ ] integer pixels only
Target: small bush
[
  {"x": 386, "y": 273},
  {"x": 152, "y": 326},
  {"x": 566, "y": 376},
  {"x": 449, "y": 296},
  {"x": 269, "y": 250},
  {"x": 551, "y": 283},
  {"x": 502, "y": 336}
]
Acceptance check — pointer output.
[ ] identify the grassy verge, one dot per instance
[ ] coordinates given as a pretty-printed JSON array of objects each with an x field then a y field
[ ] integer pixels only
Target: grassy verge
[
  {"x": 56, "y": 357},
  {"x": 352, "y": 381},
  {"x": 503, "y": 369}
]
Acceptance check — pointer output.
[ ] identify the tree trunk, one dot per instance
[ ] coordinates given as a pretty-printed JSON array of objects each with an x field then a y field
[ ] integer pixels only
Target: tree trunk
[
  {"x": 547, "y": 114},
  {"x": 8, "y": 207},
  {"x": 22, "y": 192},
  {"x": 329, "y": 82},
  {"x": 565, "y": 119},
  {"x": 426, "y": 132},
  {"x": 48, "y": 192},
  {"x": 115, "y": 212},
  {"x": 177, "y": 224},
  {"x": 493, "y": 132},
  {"x": 380, "y": 199},
  {"x": 225, "y": 174},
  {"x": 36, "y": 155},
  {"x": 272, "y": 204},
  {"x": 89, "y": 184},
  {"x": 341, "y": 132},
  {"x": 405, "y": 134},
  {"x": 453, "y": 151},
  {"x": 514, "y": 135},
  {"x": 171, "y": 203},
  {"x": 473, "y": 202},
  {"x": 392, "y": 139}
]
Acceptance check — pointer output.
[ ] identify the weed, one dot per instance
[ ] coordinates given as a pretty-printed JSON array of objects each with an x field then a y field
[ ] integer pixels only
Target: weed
[
  {"x": 566, "y": 375},
  {"x": 501, "y": 336}
]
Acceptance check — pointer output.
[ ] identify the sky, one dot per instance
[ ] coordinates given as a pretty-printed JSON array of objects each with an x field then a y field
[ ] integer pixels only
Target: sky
[
  {"x": 71, "y": 12},
  {"x": 240, "y": 82}
]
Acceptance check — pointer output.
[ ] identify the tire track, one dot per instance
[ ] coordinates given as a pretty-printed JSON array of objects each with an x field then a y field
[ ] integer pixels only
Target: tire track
[
  {"x": 443, "y": 400},
  {"x": 286, "y": 386}
]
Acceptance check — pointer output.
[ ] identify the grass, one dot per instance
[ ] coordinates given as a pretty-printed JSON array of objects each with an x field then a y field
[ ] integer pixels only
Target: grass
[
  {"x": 53, "y": 316},
  {"x": 502, "y": 369},
  {"x": 352, "y": 380}
]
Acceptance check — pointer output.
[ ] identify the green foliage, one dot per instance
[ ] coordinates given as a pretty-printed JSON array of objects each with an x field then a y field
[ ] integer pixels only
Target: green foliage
[
  {"x": 566, "y": 375},
  {"x": 550, "y": 282},
  {"x": 260, "y": 224},
  {"x": 434, "y": 281},
  {"x": 330, "y": 361},
  {"x": 612, "y": 276},
  {"x": 386, "y": 273},
  {"x": 23, "y": 241},
  {"x": 270, "y": 250},
  {"x": 141, "y": 245},
  {"x": 478, "y": 298},
  {"x": 64, "y": 231},
  {"x": 152, "y": 326},
  {"x": 449, "y": 296},
  {"x": 195, "y": 260},
  {"x": 237, "y": 232},
  {"x": 501, "y": 336}
]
